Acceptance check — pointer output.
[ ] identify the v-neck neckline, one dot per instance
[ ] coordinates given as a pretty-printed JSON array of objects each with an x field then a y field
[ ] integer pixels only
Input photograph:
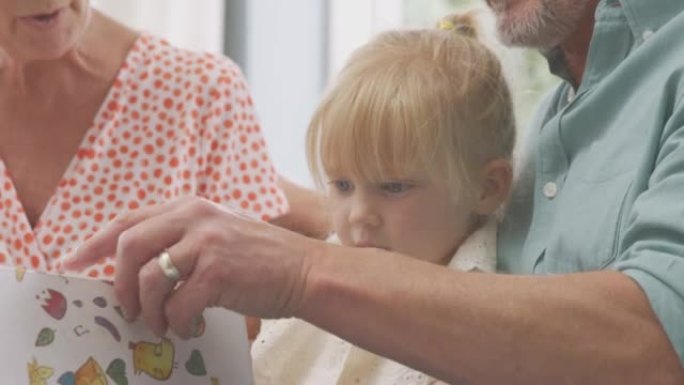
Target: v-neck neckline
[{"x": 85, "y": 147}]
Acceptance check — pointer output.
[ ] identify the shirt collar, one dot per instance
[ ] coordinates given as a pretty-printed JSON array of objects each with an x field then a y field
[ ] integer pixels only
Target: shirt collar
[
  {"x": 648, "y": 15},
  {"x": 643, "y": 17}
]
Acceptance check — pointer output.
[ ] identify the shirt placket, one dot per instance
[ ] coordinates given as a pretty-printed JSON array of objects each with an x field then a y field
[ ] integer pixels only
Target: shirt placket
[{"x": 551, "y": 169}]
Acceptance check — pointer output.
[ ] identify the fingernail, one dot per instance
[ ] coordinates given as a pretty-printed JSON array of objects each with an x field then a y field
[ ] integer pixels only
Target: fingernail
[
  {"x": 127, "y": 316},
  {"x": 68, "y": 264},
  {"x": 198, "y": 325}
]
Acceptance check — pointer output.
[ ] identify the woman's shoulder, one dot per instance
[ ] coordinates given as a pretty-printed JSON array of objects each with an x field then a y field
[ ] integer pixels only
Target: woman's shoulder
[
  {"x": 160, "y": 76},
  {"x": 158, "y": 59}
]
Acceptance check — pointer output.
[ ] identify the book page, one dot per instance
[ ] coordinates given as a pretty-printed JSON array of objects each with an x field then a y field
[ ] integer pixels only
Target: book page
[{"x": 70, "y": 331}]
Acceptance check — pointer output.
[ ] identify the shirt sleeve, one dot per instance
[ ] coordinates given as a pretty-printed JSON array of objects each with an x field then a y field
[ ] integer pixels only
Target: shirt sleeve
[
  {"x": 652, "y": 249},
  {"x": 238, "y": 171}
]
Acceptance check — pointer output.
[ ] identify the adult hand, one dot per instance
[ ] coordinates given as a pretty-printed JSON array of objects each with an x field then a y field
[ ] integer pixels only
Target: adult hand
[{"x": 224, "y": 259}]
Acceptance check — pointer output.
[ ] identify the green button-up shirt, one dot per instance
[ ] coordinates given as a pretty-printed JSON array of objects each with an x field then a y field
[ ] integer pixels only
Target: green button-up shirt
[{"x": 602, "y": 186}]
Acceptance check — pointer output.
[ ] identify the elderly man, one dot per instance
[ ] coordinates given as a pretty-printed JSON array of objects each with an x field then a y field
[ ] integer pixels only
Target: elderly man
[{"x": 593, "y": 240}]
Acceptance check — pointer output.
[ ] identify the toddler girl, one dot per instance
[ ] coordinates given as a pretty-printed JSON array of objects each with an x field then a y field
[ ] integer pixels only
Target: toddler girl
[{"x": 413, "y": 144}]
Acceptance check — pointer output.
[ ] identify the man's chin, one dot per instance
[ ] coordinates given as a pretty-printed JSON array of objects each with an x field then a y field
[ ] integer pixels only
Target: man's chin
[
  {"x": 519, "y": 37},
  {"x": 540, "y": 28}
]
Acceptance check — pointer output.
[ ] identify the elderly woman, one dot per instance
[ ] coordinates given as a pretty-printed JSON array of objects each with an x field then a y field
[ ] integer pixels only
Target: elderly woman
[{"x": 98, "y": 119}]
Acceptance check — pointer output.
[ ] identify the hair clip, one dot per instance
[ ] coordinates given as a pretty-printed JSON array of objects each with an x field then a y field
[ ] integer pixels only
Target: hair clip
[{"x": 446, "y": 25}]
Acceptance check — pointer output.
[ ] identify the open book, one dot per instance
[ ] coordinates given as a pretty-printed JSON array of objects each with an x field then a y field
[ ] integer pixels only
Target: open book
[{"x": 69, "y": 331}]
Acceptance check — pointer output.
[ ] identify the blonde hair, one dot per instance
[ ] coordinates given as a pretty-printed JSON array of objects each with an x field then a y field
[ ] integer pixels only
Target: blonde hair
[{"x": 432, "y": 100}]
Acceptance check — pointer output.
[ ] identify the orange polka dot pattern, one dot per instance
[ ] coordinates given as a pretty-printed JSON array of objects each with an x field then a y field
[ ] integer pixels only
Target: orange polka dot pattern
[{"x": 174, "y": 123}]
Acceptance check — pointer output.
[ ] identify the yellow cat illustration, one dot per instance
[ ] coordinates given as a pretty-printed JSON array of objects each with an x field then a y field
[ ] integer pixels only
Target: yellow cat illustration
[{"x": 156, "y": 360}]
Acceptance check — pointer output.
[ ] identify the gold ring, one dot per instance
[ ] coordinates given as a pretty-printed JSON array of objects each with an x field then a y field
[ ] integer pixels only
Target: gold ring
[{"x": 168, "y": 268}]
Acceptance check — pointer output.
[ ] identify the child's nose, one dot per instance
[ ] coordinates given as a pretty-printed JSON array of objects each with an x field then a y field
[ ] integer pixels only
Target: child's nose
[{"x": 363, "y": 212}]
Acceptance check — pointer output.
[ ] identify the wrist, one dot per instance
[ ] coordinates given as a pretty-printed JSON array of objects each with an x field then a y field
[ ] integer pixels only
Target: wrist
[{"x": 313, "y": 259}]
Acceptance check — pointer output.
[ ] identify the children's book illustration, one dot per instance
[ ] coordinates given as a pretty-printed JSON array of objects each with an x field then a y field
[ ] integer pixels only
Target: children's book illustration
[
  {"x": 38, "y": 375},
  {"x": 70, "y": 331}
]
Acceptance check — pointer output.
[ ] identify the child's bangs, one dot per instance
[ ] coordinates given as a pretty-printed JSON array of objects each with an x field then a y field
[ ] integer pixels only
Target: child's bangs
[{"x": 371, "y": 132}]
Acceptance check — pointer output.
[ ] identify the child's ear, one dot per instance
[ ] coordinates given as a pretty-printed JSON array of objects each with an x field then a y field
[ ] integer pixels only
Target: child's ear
[{"x": 495, "y": 185}]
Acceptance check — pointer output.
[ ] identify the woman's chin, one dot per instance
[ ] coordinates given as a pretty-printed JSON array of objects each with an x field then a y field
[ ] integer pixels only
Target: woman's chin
[{"x": 47, "y": 48}]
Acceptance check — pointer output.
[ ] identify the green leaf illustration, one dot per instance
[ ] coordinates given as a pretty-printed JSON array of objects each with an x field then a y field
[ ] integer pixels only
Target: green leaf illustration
[{"x": 45, "y": 337}]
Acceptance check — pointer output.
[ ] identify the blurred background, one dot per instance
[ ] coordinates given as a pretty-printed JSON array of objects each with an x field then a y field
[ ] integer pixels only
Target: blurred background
[{"x": 289, "y": 50}]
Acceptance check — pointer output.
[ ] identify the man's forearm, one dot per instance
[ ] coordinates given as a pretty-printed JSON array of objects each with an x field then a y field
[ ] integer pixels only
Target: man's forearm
[{"x": 491, "y": 329}]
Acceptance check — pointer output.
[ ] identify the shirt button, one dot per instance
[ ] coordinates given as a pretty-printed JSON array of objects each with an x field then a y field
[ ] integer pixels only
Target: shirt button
[
  {"x": 550, "y": 190},
  {"x": 647, "y": 34}
]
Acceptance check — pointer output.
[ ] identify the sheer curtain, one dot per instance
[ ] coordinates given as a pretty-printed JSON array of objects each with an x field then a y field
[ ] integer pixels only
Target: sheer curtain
[
  {"x": 354, "y": 22},
  {"x": 197, "y": 25}
]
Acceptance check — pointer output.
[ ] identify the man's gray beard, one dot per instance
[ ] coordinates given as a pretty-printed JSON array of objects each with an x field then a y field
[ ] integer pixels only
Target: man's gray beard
[{"x": 545, "y": 28}]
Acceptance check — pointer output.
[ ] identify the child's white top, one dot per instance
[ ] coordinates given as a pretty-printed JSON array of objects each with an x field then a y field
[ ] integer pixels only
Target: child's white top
[{"x": 294, "y": 352}]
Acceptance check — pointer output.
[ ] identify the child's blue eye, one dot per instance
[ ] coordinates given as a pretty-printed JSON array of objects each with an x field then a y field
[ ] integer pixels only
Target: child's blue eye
[
  {"x": 342, "y": 185},
  {"x": 395, "y": 187}
]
